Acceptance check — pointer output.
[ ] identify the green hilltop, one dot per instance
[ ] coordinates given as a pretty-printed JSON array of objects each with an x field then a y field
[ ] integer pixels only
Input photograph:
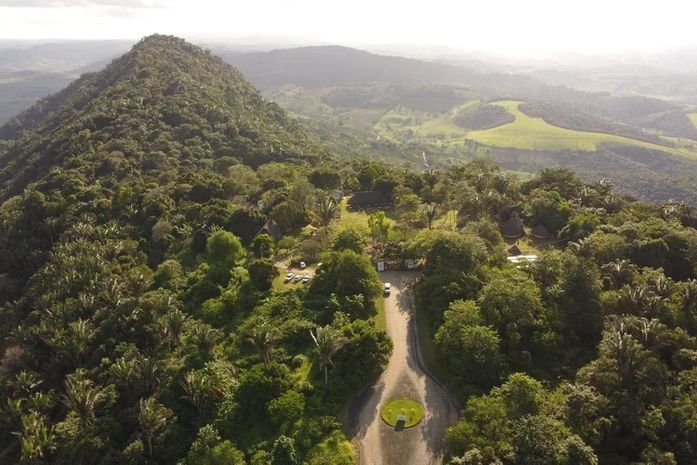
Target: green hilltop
[{"x": 165, "y": 103}]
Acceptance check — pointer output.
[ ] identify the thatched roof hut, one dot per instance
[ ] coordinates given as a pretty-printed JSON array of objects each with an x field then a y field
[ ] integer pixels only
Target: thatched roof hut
[
  {"x": 513, "y": 227},
  {"x": 540, "y": 232}
]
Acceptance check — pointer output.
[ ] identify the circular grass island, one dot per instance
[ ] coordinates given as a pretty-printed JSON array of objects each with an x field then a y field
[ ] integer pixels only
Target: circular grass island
[{"x": 402, "y": 413}]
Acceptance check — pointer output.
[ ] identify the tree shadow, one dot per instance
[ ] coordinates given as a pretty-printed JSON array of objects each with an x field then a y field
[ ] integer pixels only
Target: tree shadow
[{"x": 365, "y": 402}]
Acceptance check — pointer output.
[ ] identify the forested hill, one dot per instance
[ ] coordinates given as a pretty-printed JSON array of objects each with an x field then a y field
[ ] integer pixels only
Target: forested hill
[
  {"x": 140, "y": 318},
  {"x": 144, "y": 319},
  {"x": 165, "y": 102},
  {"x": 318, "y": 66}
]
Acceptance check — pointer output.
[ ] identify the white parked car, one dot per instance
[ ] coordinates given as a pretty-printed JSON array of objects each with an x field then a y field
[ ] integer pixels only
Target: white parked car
[
  {"x": 302, "y": 265},
  {"x": 306, "y": 279},
  {"x": 298, "y": 278},
  {"x": 387, "y": 289},
  {"x": 289, "y": 278}
]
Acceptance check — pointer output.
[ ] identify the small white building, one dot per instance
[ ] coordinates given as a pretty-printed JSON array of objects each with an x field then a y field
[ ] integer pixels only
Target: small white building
[{"x": 522, "y": 258}]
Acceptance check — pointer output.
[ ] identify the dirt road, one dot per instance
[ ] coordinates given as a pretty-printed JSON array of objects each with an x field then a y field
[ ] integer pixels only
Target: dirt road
[{"x": 378, "y": 443}]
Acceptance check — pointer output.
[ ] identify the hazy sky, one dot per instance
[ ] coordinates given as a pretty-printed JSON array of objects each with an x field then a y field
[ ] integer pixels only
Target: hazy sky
[{"x": 507, "y": 26}]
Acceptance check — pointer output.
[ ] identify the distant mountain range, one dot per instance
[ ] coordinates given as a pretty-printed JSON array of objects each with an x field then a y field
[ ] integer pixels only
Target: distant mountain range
[{"x": 349, "y": 97}]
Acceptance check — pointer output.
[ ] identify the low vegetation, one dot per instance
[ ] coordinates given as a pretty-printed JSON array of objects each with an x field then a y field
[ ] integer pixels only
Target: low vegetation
[{"x": 534, "y": 133}]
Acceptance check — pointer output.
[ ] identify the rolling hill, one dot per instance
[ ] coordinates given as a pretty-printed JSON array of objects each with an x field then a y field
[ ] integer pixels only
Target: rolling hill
[
  {"x": 647, "y": 144},
  {"x": 31, "y": 71}
]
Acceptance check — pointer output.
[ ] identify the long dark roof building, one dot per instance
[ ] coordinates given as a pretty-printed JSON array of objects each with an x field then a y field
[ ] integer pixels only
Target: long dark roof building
[{"x": 367, "y": 199}]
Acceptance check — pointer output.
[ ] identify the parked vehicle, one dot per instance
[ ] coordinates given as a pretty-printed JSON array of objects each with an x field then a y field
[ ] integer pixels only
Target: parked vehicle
[
  {"x": 387, "y": 289},
  {"x": 298, "y": 278},
  {"x": 289, "y": 278},
  {"x": 302, "y": 265},
  {"x": 306, "y": 279}
]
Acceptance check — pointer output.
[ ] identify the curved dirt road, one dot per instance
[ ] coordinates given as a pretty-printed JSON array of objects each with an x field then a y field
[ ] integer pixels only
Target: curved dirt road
[{"x": 378, "y": 443}]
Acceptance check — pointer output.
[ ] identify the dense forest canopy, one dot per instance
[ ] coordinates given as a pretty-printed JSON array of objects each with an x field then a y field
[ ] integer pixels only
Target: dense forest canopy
[{"x": 149, "y": 212}]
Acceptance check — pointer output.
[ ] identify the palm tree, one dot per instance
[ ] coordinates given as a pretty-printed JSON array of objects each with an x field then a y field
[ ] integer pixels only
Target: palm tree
[
  {"x": 603, "y": 186},
  {"x": 626, "y": 351},
  {"x": 586, "y": 196},
  {"x": 430, "y": 214},
  {"x": 171, "y": 326},
  {"x": 26, "y": 382},
  {"x": 581, "y": 247},
  {"x": 326, "y": 210},
  {"x": 153, "y": 417},
  {"x": 688, "y": 299},
  {"x": 689, "y": 295},
  {"x": 619, "y": 273},
  {"x": 36, "y": 438},
  {"x": 663, "y": 286},
  {"x": 639, "y": 300},
  {"x": 647, "y": 330},
  {"x": 198, "y": 388},
  {"x": 263, "y": 337},
  {"x": 327, "y": 342},
  {"x": 612, "y": 203},
  {"x": 204, "y": 336},
  {"x": 430, "y": 176},
  {"x": 126, "y": 372},
  {"x": 76, "y": 340},
  {"x": 151, "y": 373},
  {"x": 82, "y": 396}
]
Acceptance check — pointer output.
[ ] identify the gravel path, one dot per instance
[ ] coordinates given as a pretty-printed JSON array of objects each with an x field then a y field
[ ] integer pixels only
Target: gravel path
[{"x": 378, "y": 443}]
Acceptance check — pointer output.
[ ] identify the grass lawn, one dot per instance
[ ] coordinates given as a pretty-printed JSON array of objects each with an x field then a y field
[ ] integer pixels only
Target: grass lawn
[
  {"x": 693, "y": 118},
  {"x": 356, "y": 219},
  {"x": 278, "y": 284},
  {"x": 409, "y": 408},
  {"x": 380, "y": 322},
  {"x": 351, "y": 219},
  {"x": 529, "y": 133}
]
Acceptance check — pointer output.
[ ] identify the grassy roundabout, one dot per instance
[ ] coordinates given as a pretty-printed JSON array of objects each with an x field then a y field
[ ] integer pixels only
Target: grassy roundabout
[{"x": 410, "y": 409}]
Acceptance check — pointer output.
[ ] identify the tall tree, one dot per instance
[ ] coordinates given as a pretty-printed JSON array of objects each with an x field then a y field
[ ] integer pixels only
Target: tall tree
[
  {"x": 263, "y": 338},
  {"x": 327, "y": 342},
  {"x": 326, "y": 210},
  {"x": 152, "y": 418}
]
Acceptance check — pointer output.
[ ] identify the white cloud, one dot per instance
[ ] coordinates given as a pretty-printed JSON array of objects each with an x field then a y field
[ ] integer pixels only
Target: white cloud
[
  {"x": 79, "y": 3},
  {"x": 505, "y": 26}
]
